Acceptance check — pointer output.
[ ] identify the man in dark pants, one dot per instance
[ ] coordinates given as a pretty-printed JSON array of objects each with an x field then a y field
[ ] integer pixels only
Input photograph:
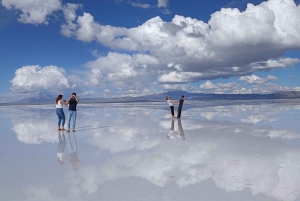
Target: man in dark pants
[{"x": 180, "y": 106}]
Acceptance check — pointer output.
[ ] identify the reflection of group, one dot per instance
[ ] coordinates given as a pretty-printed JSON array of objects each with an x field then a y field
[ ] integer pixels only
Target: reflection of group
[
  {"x": 72, "y": 156},
  {"x": 174, "y": 132}
]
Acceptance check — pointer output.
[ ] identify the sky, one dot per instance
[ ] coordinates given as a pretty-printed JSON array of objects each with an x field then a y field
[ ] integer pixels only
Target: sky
[{"x": 107, "y": 48}]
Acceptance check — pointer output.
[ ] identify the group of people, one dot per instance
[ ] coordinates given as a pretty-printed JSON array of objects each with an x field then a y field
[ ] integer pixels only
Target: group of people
[
  {"x": 170, "y": 102},
  {"x": 72, "y": 102}
]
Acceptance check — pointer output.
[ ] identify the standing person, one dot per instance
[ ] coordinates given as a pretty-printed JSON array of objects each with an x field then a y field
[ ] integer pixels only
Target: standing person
[
  {"x": 72, "y": 111},
  {"x": 180, "y": 106},
  {"x": 60, "y": 112},
  {"x": 170, "y": 102}
]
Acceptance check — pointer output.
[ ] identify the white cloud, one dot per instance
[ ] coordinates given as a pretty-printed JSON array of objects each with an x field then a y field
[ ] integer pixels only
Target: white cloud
[
  {"x": 221, "y": 48},
  {"x": 296, "y": 88},
  {"x": 140, "y": 5},
  {"x": 180, "y": 87},
  {"x": 253, "y": 79},
  {"x": 219, "y": 88},
  {"x": 29, "y": 132},
  {"x": 69, "y": 11},
  {"x": 208, "y": 85},
  {"x": 185, "y": 49},
  {"x": 162, "y": 3},
  {"x": 257, "y": 118},
  {"x": 179, "y": 77},
  {"x": 262, "y": 165},
  {"x": 33, "y": 11},
  {"x": 30, "y": 79},
  {"x": 123, "y": 70}
]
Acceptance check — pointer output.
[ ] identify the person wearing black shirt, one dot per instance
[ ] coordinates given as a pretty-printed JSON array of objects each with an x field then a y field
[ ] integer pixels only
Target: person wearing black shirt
[
  {"x": 180, "y": 106},
  {"x": 72, "y": 111}
]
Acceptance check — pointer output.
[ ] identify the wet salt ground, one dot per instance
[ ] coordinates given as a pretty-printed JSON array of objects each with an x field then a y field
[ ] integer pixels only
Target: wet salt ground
[{"x": 232, "y": 152}]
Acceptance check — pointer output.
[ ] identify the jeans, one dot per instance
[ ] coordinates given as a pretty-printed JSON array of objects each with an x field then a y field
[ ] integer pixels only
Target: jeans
[
  {"x": 72, "y": 114},
  {"x": 61, "y": 116}
]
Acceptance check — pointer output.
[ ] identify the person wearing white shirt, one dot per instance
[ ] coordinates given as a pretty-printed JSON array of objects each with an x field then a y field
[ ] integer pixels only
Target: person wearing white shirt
[
  {"x": 170, "y": 102},
  {"x": 59, "y": 103}
]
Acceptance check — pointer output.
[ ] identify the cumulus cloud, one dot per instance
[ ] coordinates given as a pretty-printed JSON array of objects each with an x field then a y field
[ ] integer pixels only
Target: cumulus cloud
[
  {"x": 162, "y": 3},
  {"x": 219, "y": 88},
  {"x": 189, "y": 50},
  {"x": 253, "y": 79},
  {"x": 262, "y": 165},
  {"x": 185, "y": 49},
  {"x": 33, "y": 11},
  {"x": 38, "y": 11},
  {"x": 205, "y": 158},
  {"x": 140, "y": 5},
  {"x": 69, "y": 11},
  {"x": 30, "y": 79},
  {"x": 122, "y": 70}
]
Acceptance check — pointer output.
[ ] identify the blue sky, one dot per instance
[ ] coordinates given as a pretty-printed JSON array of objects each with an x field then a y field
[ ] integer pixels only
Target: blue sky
[{"x": 118, "y": 47}]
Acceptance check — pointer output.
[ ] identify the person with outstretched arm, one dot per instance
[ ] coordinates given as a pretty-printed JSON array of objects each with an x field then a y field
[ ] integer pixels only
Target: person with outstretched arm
[
  {"x": 180, "y": 106},
  {"x": 170, "y": 102},
  {"x": 72, "y": 111}
]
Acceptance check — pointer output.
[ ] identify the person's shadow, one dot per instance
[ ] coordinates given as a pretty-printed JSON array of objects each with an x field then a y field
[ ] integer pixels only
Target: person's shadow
[{"x": 174, "y": 133}]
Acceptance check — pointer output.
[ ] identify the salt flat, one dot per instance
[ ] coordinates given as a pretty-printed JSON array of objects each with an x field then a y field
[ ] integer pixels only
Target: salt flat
[{"x": 242, "y": 151}]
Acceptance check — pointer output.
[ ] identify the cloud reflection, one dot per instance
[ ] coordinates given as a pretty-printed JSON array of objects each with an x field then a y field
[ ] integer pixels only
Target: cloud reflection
[{"x": 233, "y": 154}]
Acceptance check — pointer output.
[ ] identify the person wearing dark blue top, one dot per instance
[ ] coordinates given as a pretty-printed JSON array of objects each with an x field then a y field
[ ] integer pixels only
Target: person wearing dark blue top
[
  {"x": 180, "y": 106},
  {"x": 72, "y": 111}
]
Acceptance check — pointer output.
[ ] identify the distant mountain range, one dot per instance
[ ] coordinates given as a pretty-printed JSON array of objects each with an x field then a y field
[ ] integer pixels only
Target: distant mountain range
[{"x": 174, "y": 95}]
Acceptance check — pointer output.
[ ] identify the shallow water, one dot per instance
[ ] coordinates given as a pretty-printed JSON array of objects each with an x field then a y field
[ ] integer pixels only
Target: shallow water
[{"x": 244, "y": 151}]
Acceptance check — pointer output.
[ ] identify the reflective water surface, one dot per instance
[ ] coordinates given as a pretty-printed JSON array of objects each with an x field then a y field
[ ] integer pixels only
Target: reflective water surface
[{"x": 244, "y": 151}]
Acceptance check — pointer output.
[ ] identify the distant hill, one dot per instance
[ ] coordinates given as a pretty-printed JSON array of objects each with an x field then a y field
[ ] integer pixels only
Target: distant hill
[
  {"x": 288, "y": 94},
  {"x": 174, "y": 95}
]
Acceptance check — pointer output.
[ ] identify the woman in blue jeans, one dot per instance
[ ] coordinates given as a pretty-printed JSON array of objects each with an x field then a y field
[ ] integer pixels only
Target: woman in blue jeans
[{"x": 59, "y": 103}]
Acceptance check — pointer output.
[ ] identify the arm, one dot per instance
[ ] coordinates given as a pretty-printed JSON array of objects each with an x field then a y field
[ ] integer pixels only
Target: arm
[
  {"x": 65, "y": 103},
  {"x": 75, "y": 98}
]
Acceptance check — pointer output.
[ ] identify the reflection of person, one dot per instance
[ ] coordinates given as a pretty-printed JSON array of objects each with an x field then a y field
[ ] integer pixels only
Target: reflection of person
[
  {"x": 60, "y": 112},
  {"x": 72, "y": 156},
  {"x": 172, "y": 133},
  {"x": 61, "y": 147},
  {"x": 181, "y": 129},
  {"x": 170, "y": 102},
  {"x": 180, "y": 106},
  {"x": 72, "y": 111}
]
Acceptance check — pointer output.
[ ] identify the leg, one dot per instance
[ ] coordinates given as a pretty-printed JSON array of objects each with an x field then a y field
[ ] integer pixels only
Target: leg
[
  {"x": 179, "y": 112},
  {"x": 63, "y": 119},
  {"x": 74, "y": 120},
  {"x": 59, "y": 118},
  {"x": 69, "y": 119},
  {"x": 172, "y": 110}
]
